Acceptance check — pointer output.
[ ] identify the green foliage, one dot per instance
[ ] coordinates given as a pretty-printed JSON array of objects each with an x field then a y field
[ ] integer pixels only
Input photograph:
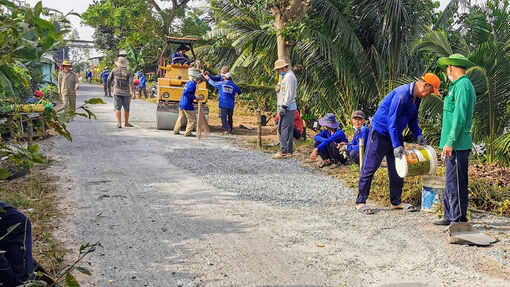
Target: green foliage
[
  {"x": 488, "y": 196},
  {"x": 50, "y": 92},
  {"x": 25, "y": 36}
]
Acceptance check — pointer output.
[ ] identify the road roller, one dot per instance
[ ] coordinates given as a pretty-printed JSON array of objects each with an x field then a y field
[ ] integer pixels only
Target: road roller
[{"x": 172, "y": 79}]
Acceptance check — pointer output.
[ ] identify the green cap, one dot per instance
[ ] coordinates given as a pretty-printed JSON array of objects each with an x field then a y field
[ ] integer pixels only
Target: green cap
[{"x": 455, "y": 60}]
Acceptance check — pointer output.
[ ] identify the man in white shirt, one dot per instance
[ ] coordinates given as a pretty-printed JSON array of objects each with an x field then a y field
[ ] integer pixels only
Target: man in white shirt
[{"x": 286, "y": 108}]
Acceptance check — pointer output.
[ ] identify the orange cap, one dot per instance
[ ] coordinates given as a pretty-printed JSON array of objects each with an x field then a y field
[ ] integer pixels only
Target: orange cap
[{"x": 434, "y": 81}]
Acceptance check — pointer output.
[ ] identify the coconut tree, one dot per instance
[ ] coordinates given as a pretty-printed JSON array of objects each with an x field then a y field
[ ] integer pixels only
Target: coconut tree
[{"x": 488, "y": 30}]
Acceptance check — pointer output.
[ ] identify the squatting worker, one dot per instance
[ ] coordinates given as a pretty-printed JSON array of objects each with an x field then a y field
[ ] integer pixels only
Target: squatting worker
[
  {"x": 360, "y": 131},
  {"x": 122, "y": 81},
  {"x": 227, "y": 90},
  {"x": 396, "y": 111},
  {"x": 286, "y": 107},
  {"x": 456, "y": 140},
  {"x": 326, "y": 142},
  {"x": 186, "y": 108},
  {"x": 17, "y": 263},
  {"x": 68, "y": 84}
]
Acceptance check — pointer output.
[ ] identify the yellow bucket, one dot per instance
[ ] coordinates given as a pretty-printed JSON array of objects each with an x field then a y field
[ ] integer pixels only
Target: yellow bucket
[{"x": 417, "y": 162}]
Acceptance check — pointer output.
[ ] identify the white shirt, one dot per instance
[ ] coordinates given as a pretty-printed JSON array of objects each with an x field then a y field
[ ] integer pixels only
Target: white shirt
[{"x": 288, "y": 91}]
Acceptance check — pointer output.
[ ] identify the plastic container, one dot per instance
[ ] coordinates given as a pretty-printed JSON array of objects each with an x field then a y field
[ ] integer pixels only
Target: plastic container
[
  {"x": 417, "y": 162},
  {"x": 193, "y": 72},
  {"x": 432, "y": 193}
]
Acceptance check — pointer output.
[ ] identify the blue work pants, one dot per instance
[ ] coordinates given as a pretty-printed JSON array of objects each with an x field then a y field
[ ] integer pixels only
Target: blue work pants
[
  {"x": 456, "y": 189},
  {"x": 378, "y": 147},
  {"x": 227, "y": 119},
  {"x": 16, "y": 264}
]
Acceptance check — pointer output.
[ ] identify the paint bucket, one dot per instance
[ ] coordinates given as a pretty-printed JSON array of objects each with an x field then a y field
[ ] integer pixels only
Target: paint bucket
[
  {"x": 417, "y": 162},
  {"x": 193, "y": 72},
  {"x": 432, "y": 193}
]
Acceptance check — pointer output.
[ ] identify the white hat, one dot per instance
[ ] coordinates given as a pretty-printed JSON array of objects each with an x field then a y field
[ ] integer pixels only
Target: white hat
[
  {"x": 228, "y": 76},
  {"x": 122, "y": 62}
]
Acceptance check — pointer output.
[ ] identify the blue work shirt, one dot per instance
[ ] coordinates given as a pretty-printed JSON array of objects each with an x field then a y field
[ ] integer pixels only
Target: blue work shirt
[
  {"x": 228, "y": 91},
  {"x": 89, "y": 74},
  {"x": 142, "y": 81},
  {"x": 180, "y": 60},
  {"x": 32, "y": 100},
  {"x": 325, "y": 138},
  {"x": 218, "y": 78},
  {"x": 188, "y": 95},
  {"x": 395, "y": 112},
  {"x": 362, "y": 132},
  {"x": 104, "y": 75}
]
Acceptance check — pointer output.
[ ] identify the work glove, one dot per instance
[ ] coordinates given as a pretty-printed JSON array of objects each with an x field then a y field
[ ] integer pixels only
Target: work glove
[
  {"x": 421, "y": 140},
  {"x": 399, "y": 152},
  {"x": 282, "y": 111}
]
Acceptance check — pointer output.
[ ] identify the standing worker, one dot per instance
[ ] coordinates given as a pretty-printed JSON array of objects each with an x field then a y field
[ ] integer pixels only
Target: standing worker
[
  {"x": 396, "y": 111},
  {"x": 141, "y": 84},
  {"x": 68, "y": 84},
  {"x": 186, "y": 108},
  {"x": 286, "y": 107},
  {"x": 223, "y": 71},
  {"x": 122, "y": 80},
  {"x": 456, "y": 140},
  {"x": 227, "y": 90},
  {"x": 104, "y": 77},
  {"x": 89, "y": 75}
]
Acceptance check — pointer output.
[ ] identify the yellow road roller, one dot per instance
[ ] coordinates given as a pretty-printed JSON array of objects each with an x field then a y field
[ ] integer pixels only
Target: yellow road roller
[{"x": 172, "y": 78}]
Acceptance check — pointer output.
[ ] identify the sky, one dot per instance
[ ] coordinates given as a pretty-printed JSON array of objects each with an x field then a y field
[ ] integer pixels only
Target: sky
[{"x": 80, "y": 6}]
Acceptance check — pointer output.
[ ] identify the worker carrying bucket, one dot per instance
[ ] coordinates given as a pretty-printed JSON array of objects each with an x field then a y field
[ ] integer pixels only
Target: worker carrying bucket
[{"x": 396, "y": 111}]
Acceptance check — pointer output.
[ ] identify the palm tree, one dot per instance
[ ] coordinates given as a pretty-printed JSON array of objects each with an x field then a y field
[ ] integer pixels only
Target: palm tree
[{"x": 490, "y": 46}]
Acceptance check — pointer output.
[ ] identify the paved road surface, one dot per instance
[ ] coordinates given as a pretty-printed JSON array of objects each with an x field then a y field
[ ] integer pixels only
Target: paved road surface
[{"x": 175, "y": 211}]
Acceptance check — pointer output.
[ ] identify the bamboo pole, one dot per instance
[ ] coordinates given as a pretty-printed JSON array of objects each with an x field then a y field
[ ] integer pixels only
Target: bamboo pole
[{"x": 259, "y": 129}]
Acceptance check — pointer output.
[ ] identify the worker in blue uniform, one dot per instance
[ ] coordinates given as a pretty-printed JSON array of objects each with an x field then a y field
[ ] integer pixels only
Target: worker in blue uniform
[
  {"x": 327, "y": 142},
  {"x": 104, "y": 77},
  {"x": 360, "y": 132},
  {"x": 396, "y": 111},
  {"x": 227, "y": 90},
  {"x": 180, "y": 57},
  {"x": 16, "y": 261},
  {"x": 186, "y": 108}
]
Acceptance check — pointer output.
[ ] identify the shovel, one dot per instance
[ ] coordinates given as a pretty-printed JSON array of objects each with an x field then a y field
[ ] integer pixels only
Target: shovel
[{"x": 465, "y": 233}]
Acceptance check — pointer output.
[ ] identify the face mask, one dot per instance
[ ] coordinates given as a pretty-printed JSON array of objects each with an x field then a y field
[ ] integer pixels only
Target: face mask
[
  {"x": 282, "y": 74},
  {"x": 450, "y": 77}
]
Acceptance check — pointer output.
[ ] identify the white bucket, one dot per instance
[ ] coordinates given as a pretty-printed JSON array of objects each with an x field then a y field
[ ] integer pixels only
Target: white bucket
[
  {"x": 432, "y": 192},
  {"x": 193, "y": 72},
  {"x": 417, "y": 162}
]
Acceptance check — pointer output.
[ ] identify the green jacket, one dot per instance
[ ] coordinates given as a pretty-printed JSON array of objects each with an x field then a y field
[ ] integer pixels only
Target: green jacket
[{"x": 458, "y": 110}]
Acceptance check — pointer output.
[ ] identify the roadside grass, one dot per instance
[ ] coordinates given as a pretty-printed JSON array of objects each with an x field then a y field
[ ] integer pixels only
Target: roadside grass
[
  {"x": 485, "y": 194},
  {"x": 34, "y": 195}
]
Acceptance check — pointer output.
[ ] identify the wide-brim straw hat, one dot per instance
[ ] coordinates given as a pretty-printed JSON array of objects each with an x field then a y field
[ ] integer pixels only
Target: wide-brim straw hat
[
  {"x": 67, "y": 63},
  {"x": 329, "y": 121},
  {"x": 122, "y": 62},
  {"x": 280, "y": 63},
  {"x": 455, "y": 60}
]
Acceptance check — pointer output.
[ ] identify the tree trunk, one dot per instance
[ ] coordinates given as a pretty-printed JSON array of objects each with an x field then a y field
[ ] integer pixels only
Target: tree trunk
[{"x": 281, "y": 44}]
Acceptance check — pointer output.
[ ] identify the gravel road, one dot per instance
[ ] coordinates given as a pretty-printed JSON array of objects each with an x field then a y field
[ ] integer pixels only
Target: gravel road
[{"x": 175, "y": 211}]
